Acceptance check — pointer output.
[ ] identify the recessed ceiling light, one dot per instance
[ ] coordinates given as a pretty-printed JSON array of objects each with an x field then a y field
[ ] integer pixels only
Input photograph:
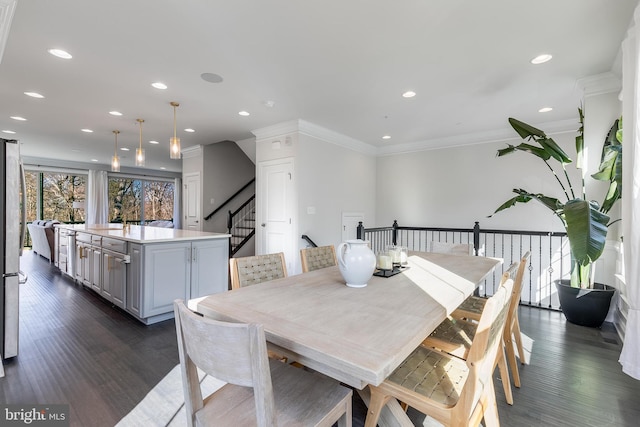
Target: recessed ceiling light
[
  {"x": 269, "y": 103},
  {"x": 8, "y": 131},
  {"x": 386, "y": 137},
  {"x": 163, "y": 168},
  {"x": 115, "y": 113},
  {"x": 60, "y": 53},
  {"x": 545, "y": 110},
  {"x": 541, "y": 59},
  {"x": 244, "y": 113},
  {"x": 34, "y": 94},
  {"x": 124, "y": 149},
  {"x": 87, "y": 130},
  {"x": 153, "y": 142},
  {"x": 409, "y": 94},
  {"x": 18, "y": 118},
  {"x": 189, "y": 130},
  {"x": 94, "y": 160},
  {"x": 159, "y": 85}
]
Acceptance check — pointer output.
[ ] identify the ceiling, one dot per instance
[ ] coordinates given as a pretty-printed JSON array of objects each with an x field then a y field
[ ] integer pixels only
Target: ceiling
[{"x": 341, "y": 65}]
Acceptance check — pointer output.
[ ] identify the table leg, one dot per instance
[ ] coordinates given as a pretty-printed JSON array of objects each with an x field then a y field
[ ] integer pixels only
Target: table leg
[{"x": 392, "y": 414}]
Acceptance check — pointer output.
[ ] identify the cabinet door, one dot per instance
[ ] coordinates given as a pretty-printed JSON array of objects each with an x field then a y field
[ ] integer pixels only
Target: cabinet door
[
  {"x": 134, "y": 277},
  {"x": 95, "y": 257},
  {"x": 114, "y": 276},
  {"x": 209, "y": 267},
  {"x": 167, "y": 270},
  {"x": 83, "y": 264}
]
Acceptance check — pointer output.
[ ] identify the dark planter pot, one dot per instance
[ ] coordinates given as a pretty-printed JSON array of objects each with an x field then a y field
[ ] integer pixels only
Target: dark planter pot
[{"x": 585, "y": 307}]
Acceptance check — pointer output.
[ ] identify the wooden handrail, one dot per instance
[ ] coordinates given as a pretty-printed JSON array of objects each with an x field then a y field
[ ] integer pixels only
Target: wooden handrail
[{"x": 206, "y": 218}]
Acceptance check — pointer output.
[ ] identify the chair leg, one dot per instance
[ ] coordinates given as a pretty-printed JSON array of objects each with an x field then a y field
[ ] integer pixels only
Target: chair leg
[
  {"x": 377, "y": 402},
  {"x": 518, "y": 336},
  {"x": 511, "y": 359},
  {"x": 490, "y": 415},
  {"x": 346, "y": 419},
  {"x": 504, "y": 374}
]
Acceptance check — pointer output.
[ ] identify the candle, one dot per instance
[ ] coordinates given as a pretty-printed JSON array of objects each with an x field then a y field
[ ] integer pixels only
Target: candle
[{"x": 384, "y": 262}]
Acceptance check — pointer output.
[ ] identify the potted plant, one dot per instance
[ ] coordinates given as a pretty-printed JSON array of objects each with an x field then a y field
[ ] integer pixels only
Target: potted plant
[{"x": 585, "y": 221}]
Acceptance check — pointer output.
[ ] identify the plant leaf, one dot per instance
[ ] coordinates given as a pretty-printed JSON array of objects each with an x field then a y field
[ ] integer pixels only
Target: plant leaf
[
  {"x": 586, "y": 230},
  {"x": 523, "y": 196},
  {"x": 554, "y": 150},
  {"x": 527, "y": 148},
  {"x": 524, "y": 130}
]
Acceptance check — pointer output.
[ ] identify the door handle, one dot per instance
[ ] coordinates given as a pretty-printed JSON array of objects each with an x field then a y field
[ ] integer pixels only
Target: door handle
[
  {"x": 22, "y": 274},
  {"x": 263, "y": 224}
]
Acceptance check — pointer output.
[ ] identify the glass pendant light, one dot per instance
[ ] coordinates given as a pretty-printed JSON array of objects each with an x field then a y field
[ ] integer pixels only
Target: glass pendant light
[
  {"x": 115, "y": 160},
  {"x": 140, "y": 150},
  {"x": 174, "y": 143}
]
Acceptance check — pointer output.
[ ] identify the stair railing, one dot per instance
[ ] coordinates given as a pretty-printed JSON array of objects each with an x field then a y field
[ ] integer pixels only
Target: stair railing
[
  {"x": 208, "y": 217},
  {"x": 241, "y": 225}
]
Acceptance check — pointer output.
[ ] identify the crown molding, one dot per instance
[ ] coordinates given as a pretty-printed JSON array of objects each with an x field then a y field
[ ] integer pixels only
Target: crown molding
[
  {"x": 7, "y": 8},
  {"x": 306, "y": 128},
  {"x": 189, "y": 152},
  {"x": 498, "y": 135},
  {"x": 600, "y": 84}
]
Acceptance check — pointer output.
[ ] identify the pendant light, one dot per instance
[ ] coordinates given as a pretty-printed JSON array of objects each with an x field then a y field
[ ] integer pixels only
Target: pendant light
[
  {"x": 140, "y": 150},
  {"x": 174, "y": 144},
  {"x": 115, "y": 160}
]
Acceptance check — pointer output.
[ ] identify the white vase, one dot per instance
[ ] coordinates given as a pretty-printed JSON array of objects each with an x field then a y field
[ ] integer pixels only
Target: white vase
[{"x": 356, "y": 262}]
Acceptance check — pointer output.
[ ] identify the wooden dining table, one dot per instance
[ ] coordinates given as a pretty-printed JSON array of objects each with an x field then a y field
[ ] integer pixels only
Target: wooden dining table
[{"x": 355, "y": 335}]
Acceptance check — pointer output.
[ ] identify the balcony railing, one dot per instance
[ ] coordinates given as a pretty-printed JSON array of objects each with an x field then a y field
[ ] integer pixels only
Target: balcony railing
[{"x": 550, "y": 254}]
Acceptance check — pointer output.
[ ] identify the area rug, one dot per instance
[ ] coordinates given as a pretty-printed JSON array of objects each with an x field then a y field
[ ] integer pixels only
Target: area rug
[{"x": 164, "y": 404}]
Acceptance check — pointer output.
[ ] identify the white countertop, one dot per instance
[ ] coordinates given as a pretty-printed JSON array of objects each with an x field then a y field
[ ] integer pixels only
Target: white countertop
[{"x": 143, "y": 234}]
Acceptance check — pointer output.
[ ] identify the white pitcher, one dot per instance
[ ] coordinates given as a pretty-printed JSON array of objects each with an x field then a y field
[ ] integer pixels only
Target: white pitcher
[{"x": 356, "y": 262}]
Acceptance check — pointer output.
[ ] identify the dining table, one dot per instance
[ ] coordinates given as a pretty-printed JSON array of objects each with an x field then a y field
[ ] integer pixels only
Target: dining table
[{"x": 357, "y": 336}]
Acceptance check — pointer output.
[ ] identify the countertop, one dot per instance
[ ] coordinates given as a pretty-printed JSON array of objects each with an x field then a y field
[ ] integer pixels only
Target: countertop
[{"x": 143, "y": 234}]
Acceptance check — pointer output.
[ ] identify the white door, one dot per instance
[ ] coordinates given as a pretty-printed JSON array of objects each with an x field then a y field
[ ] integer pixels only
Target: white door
[
  {"x": 276, "y": 207},
  {"x": 192, "y": 219},
  {"x": 350, "y": 222}
]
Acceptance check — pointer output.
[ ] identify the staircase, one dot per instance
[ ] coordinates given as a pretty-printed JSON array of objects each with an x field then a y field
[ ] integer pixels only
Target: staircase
[{"x": 242, "y": 224}]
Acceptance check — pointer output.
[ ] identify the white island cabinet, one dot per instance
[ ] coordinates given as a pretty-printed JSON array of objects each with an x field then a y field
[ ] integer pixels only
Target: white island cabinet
[{"x": 144, "y": 269}]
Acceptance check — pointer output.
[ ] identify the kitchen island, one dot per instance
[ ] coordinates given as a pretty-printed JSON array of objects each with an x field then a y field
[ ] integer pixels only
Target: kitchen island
[{"x": 143, "y": 269}]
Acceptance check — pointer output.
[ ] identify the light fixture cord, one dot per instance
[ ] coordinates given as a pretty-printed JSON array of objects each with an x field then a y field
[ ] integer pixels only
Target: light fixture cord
[
  {"x": 174, "y": 122},
  {"x": 140, "y": 121},
  {"x": 115, "y": 151}
]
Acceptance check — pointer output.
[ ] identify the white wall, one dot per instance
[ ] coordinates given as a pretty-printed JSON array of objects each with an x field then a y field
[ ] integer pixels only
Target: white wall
[
  {"x": 457, "y": 186},
  {"x": 332, "y": 180}
]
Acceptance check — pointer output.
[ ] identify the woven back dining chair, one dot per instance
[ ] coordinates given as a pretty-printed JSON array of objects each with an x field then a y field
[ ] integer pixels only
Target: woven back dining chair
[
  {"x": 259, "y": 391},
  {"x": 451, "y": 390},
  {"x": 472, "y": 307},
  {"x": 455, "y": 334},
  {"x": 318, "y": 257},
  {"x": 246, "y": 271}
]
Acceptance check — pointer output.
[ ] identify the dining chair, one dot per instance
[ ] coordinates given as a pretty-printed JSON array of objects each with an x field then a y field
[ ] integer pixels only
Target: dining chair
[
  {"x": 471, "y": 308},
  {"x": 259, "y": 390},
  {"x": 451, "y": 390},
  {"x": 246, "y": 271},
  {"x": 318, "y": 257},
  {"x": 454, "y": 335},
  {"x": 451, "y": 248}
]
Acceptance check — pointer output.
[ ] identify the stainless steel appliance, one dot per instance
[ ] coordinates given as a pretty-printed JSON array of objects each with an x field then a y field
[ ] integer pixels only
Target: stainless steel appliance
[{"x": 12, "y": 232}]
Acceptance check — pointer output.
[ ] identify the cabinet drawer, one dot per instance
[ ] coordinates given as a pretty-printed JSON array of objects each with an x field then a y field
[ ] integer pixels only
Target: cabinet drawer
[
  {"x": 83, "y": 237},
  {"x": 96, "y": 240},
  {"x": 114, "y": 245}
]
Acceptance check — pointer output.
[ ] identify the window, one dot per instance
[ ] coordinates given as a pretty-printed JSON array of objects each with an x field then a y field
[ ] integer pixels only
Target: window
[
  {"x": 50, "y": 195},
  {"x": 138, "y": 201}
]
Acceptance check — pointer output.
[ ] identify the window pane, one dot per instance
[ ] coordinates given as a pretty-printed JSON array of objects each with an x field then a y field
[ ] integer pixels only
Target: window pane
[
  {"x": 59, "y": 191},
  {"x": 125, "y": 200},
  {"x": 158, "y": 201},
  {"x": 31, "y": 179}
]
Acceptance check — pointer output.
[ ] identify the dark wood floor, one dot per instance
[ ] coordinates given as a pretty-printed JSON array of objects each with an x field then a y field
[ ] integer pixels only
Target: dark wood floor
[{"x": 76, "y": 348}]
